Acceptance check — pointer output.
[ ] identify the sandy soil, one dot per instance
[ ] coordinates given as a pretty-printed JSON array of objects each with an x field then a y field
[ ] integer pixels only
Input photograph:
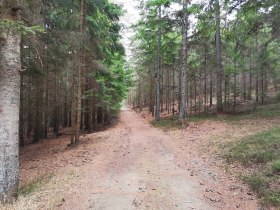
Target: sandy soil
[{"x": 135, "y": 166}]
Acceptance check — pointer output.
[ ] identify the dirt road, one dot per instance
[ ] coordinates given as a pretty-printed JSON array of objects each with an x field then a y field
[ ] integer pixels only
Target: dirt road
[{"x": 141, "y": 167}]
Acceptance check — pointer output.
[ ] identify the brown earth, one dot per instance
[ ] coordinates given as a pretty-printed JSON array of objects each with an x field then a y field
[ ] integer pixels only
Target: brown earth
[{"x": 136, "y": 166}]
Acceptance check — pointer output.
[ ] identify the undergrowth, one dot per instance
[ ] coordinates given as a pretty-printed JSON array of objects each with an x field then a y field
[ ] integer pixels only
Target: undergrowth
[
  {"x": 260, "y": 153},
  {"x": 34, "y": 186},
  {"x": 270, "y": 111},
  {"x": 173, "y": 122}
]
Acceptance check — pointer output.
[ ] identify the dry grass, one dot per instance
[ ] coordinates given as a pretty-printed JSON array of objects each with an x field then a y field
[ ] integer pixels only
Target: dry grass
[{"x": 43, "y": 193}]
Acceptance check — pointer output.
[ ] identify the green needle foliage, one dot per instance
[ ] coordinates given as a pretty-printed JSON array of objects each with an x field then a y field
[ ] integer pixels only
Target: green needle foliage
[{"x": 51, "y": 61}]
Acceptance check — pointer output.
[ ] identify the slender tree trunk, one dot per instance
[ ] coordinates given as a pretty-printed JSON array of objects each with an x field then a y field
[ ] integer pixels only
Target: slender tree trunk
[
  {"x": 179, "y": 89},
  {"x": 21, "y": 115},
  {"x": 152, "y": 94},
  {"x": 168, "y": 92},
  {"x": 73, "y": 107},
  {"x": 162, "y": 90},
  {"x": 80, "y": 75},
  {"x": 195, "y": 94},
  {"x": 234, "y": 87},
  {"x": 244, "y": 84},
  {"x": 103, "y": 112},
  {"x": 182, "y": 112},
  {"x": 262, "y": 86},
  {"x": 158, "y": 83},
  {"x": 66, "y": 105},
  {"x": 190, "y": 87},
  {"x": 173, "y": 92},
  {"x": 46, "y": 111},
  {"x": 140, "y": 97},
  {"x": 226, "y": 90},
  {"x": 257, "y": 72},
  {"x": 211, "y": 89},
  {"x": 30, "y": 114},
  {"x": 55, "y": 117},
  {"x": 218, "y": 57},
  {"x": 205, "y": 83},
  {"x": 94, "y": 115},
  {"x": 200, "y": 95},
  {"x": 10, "y": 66},
  {"x": 250, "y": 79},
  {"x": 257, "y": 87},
  {"x": 90, "y": 106},
  {"x": 37, "y": 134}
]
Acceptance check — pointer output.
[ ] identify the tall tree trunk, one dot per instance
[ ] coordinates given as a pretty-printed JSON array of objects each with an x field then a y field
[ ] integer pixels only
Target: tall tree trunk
[
  {"x": 218, "y": 57},
  {"x": 226, "y": 90},
  {"x": 38, "y": 133},
  {"x": 55, "y": 117},
  {"x": 46, "y": 109},
  {"x": 30, "y": 114},
  {"x": 73, "y": 107},
  {"x": 158, "y": 83},
  {"x": 168, "y": 91},
  {"x": 152, "y": 94},
  {"x": 10, "y": 66},
  {"x": 257, "y": 87},
  {"x": 183, "y": 78},
  {"x": 250, "y": 79},
  {"x": 244, "y": 78},
  {"x": 140, "y": 97},
  {"x": 162, "y": 91},
  {"x": 234, "y": 87},
  {"x": 90, "y": 105},
  {"x": 257, "y": 71},
  {"x": 173, "y": 91},
  {"x": 94, "y": 113},
  {"x": 195, "y": 93},
  {"x": 80, "y": 75},
  {"x": 21, "y": 115},
  {"x": 205, "y": 81},
  {"x": 262, "y": 86},
  {"x": 65, "y": 110},
  {"x": 211, "y": 89}
]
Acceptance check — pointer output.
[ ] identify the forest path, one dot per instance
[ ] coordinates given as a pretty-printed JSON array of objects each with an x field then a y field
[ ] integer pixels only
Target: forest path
[
  {"x": 133, "y": 165},
  {"x": 137, "y": 166},
  {"x": 135, "y": 169}
]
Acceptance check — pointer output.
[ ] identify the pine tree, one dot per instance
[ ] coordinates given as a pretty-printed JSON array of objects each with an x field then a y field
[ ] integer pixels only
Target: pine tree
[{"x": 10, "y": 68}]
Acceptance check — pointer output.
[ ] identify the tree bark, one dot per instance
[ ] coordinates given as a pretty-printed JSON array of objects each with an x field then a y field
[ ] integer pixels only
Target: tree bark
[
  {"x": 173, "y": 91},
  {"x": 234, "y": 87},
  {"x": 158, "y": 83},
  {"x": 250, "y": 78},
  {"x": 73, "y": 107},
  {"x": 183, "y": 78},
  {"x": 38, "y": 131},
  {"x": 90, "y": 106},
  {"x": 46, "y": 109},
  {"x": 80, "y": 75},
  {"x": 21, "y": 115},
  {"x": 211, "y": 89},
  {"x": 152, "y": 94},
  {"x": 218, "y": 57},
  {"x": 168, "y": 92},
  {"x": 30, "y": 114},
  {"x": 205, "y": 81},
  {"x": 10, "y": 66}
]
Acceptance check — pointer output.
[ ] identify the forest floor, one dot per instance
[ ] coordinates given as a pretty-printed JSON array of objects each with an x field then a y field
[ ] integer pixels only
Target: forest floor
[{"x": 134, "y": 165}]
